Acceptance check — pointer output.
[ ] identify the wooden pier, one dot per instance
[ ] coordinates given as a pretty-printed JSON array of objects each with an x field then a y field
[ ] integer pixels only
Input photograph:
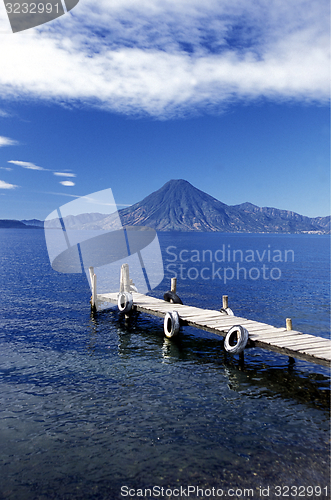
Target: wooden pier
[{"x": 285, "y": 341}]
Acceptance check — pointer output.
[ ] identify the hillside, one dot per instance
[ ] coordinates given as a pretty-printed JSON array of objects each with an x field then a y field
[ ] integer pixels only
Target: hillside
[{"x": 13, "y": 224}]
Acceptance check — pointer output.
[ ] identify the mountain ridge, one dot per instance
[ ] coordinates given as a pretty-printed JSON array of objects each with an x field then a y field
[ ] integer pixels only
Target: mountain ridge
[{"x": 179, "y": 206}]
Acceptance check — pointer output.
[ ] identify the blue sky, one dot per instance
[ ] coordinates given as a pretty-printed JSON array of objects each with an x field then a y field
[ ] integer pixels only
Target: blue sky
[{"x": 231, "y": 96}]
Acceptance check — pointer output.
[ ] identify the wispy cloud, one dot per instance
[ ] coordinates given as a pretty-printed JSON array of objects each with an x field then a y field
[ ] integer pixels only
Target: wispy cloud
[
  {"x": 88, "y": 198},
  {"x": 67, "y": 183},
  {"x": 6, "y": 168},
  {"x": 5, "y": 141},
  {"x": 27, "y": 164},
  {"x": 6, "y": 185},
  {"x": 171, "y": 57},
  {"x": 64, "y": 174}
]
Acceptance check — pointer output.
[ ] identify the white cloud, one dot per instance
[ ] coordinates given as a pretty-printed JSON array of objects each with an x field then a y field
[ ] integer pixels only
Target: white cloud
[
  {"x": 26, "y": 164},
  {"x": 6, "y": 185},
  {"x": 67, "y": 183},
  {"x": 6, "y": 168},
  {"x": 5, "y": 141},
  {"x": 64, "y": 174},
  {"x": 167, "y": 57}
]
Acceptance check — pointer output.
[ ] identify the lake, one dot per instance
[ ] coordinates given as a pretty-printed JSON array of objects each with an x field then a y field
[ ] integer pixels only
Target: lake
[{"x": 96, "y": 407}]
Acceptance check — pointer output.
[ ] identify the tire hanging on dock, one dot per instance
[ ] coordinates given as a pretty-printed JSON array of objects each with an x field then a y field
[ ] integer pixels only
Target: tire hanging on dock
[
  {"x": 125, "y": 302},
  {"x": 227, "y": 311},
  {"x": 172, "y": 297},
  {"x": 171, "y": 324},
  {"x": 238, "y": 333}
]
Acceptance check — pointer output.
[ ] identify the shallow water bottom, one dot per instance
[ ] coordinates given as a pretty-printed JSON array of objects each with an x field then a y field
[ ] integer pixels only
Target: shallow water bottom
[{"x": 132, "y": 408}]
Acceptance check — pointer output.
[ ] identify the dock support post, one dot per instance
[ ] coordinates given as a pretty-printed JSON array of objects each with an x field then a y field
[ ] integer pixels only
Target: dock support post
[
  {"x": 241, "y": 360},
  {"x": 291, "y": 361},
  {"x": 91, "y": 271},
  {"x": 93, "y": 278},
  {"x": 225, "y": 302},
  {"x": 173, "y": 285},
  {"x": 125, "y": 278},
  {"x": 125, "y": 282},
  {"x": 289, "y": 328}
]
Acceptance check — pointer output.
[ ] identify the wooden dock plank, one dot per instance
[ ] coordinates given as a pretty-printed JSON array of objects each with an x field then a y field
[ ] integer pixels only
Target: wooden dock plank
[
  {"x": 309, "y": 339},
  {"x": 268, "y": 332},
  {"x": 293, "y": 343},
  {"x": 237, "y": 321},
  {"x": 288, "y": 341},
  {"x": 221, "y": 321},
  {"x": 285, "y": 335},
  {"x": 302, "y": 347}
]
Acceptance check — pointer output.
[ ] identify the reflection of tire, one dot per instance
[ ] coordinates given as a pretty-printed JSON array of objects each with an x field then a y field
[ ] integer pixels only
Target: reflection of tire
[
  {"x": 236, "y": 339},
  {"x": 227, "y": 311},
  {"x": 125, "y": 302},
  {"x": 171, "y": 324},
  {"x": 172, "y": 297}
]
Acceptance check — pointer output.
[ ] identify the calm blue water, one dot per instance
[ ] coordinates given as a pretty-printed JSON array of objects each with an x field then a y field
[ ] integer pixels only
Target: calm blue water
[{"x": 91, "y": 404}]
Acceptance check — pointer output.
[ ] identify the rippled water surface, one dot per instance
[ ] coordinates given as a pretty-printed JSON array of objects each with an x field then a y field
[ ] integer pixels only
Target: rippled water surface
[{"x": 93, "y": 403}]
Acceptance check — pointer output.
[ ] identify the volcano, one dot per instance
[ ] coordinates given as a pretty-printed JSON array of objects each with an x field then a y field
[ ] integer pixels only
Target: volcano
[{"x": 179, "y": 206}]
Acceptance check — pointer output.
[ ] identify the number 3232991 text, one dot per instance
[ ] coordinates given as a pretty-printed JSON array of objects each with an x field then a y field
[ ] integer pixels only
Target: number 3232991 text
[{"x": 31, "y": 8}]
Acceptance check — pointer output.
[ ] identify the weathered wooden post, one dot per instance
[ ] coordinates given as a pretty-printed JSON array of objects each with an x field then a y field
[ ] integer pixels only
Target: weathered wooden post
[
  {"x": 125, "y": 282},
  {"x": 122, "y": 280},
  {"x": 225, "y": 302},
  {"x": 93, "y": 278},
  {"x": 173, "y": 285},
  {"x": 91, "y": 271},
  {"x": 289, "y": 328},
  {"x": 125, "y": 278}
]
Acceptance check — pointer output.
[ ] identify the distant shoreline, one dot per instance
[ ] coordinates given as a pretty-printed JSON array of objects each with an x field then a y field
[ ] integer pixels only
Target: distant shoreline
[{"x": 16, "y": 224}]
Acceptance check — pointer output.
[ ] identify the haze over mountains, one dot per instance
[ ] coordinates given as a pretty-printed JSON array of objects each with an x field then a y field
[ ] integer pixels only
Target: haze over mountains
[{"x": 179, "y": 206}]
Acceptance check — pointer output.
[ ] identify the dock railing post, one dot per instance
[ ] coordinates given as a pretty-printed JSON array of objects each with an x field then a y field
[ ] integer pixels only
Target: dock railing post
[
  {"x": 121, "y": 280},
  {"x": 125, "y": 278},
  {"x": 91, "y": 271},
  {"x": 173, "y": 285},
  {"x": 125, "y": 282},
  {"x": 94, "y": 296},
  {"x": 93, "y": 278}
]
